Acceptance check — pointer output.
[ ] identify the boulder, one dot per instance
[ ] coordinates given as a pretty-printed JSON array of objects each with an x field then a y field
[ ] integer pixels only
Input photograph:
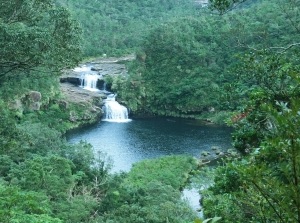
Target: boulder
[
  {"x": 33, "y": 100},
  {"x": 63, "y": 104},
  {"x": 34, "y": 106},
  {"x": 34, "y": 96}
]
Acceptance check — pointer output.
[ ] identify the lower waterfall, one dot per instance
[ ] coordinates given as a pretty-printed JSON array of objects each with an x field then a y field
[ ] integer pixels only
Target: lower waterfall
[{"x": 113, "y": 111}]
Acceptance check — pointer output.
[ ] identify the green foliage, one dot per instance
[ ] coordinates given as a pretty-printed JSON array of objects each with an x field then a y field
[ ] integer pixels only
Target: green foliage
[
  {"x": 36, "y": 158},
  {"x": 39, "y": 137},
  {"x": 38, "y": 40},
  {"x": 11, "y": 139},
  {"x": 51, "y": 175},
  {"x": 155, "y": 202},
  {"x": 150, "y": 192},
  {"x": 28, "y": 207},
  {"x": 88, "y": 165},
  {"x": 175, "y": 174},
  {"x": 189, "y": 66},
  {"x": 263, "y": 186},
  {"x": 118, "y": 27},
  {"x": 36, "y": 34},
  {"x": 274, "y": 79},
  {"x": 181, "y": 71},
  {"x": 131, "y": 90},
  {"x": 223, "y": 6},
  {"x": 178, "y": 73}
]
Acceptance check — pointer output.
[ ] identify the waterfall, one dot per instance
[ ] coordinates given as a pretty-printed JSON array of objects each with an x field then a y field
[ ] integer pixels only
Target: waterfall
[
  {"x": 88, "y": 77},
  {"x": 113, "y": 111},
  {"x": 89, "y": 81}
]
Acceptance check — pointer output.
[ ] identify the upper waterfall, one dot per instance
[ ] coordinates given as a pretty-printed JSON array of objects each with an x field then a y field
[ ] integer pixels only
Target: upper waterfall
[
  {"x": 89, "y": 81},
  {"x": 113, "y": 111},
  {"x": 88, "y": 77}
]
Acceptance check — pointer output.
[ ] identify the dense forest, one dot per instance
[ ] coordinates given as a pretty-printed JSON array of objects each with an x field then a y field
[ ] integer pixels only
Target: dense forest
[{"x": 230, "y": 61}]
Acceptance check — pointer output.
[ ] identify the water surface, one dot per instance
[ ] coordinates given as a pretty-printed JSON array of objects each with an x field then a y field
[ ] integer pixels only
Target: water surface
[{"x": 128, "y": 143}]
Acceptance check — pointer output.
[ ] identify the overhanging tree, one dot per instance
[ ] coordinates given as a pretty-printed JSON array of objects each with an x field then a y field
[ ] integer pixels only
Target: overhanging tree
[{"x": 36, "y": 34}]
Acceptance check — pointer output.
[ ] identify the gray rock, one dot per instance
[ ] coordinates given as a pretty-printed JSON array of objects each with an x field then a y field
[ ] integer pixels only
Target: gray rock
[
  {"x": 35, "y": 106},
  {"x": 63, "y": 104},
  {"x": 35, "y": 96}
]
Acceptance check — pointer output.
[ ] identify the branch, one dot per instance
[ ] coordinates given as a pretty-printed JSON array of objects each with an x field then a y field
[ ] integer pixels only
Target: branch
[
  {"x": 283, "y": 49},
  {"x": 267, "y": 199}
]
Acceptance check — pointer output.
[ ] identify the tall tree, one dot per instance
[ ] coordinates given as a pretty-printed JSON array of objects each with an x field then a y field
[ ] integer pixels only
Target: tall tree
[{"x": 35, "y": 34}]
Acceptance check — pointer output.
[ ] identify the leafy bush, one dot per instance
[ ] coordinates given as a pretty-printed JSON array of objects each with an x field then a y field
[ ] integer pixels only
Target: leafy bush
[
  {"x": 27, "y": 207},
  {"x": 150, "y": 192}
]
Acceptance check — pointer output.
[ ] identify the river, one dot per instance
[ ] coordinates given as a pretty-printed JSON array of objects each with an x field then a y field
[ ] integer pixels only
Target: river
[{"x": 130, "y": 142}]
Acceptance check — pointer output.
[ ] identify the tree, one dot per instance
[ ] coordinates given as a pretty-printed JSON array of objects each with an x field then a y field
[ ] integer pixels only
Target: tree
[
  {"x": 147, "y": 194},
  {"x": 180, "y": 68},
  {"x": 264, "y": 185},
  {"x": 51, "y": 175},
  {"x": 35, "y": 35},
  {"x": 27, "y": 207}
]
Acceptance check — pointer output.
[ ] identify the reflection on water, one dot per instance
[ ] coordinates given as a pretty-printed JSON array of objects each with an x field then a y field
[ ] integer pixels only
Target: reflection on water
[{"x": 127, "y": 143}]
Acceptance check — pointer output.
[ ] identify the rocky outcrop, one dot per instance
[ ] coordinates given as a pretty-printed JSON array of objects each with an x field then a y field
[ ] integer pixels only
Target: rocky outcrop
[
  {"x": 30, "y": 101},
  {"x": 72, "y": 79},
  {"x": 100, "y": 66},
  {"x": 82, "y": 105},
  {"x": 33, "y": 99},
  {"x": 104, "y": 69}
]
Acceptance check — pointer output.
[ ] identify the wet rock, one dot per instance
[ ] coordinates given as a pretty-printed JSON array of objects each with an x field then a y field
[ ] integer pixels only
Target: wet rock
[
  {"x": 95, "y": 109},
  {"x": 232, "y": 152},
  {"x": 32, "y": 101},
  {"x": 205, "y": 153},
  {"x": 218, "y": 152}
]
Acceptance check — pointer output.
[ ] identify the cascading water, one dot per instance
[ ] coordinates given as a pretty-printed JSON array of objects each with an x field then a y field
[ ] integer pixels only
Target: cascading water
[
  {"x": 88, "y": 78},
  {"x": 113, "y": 111}
]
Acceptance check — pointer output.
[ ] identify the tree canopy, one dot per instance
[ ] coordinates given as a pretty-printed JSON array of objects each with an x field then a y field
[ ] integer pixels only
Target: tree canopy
[{"x": 35, "y": 35}]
